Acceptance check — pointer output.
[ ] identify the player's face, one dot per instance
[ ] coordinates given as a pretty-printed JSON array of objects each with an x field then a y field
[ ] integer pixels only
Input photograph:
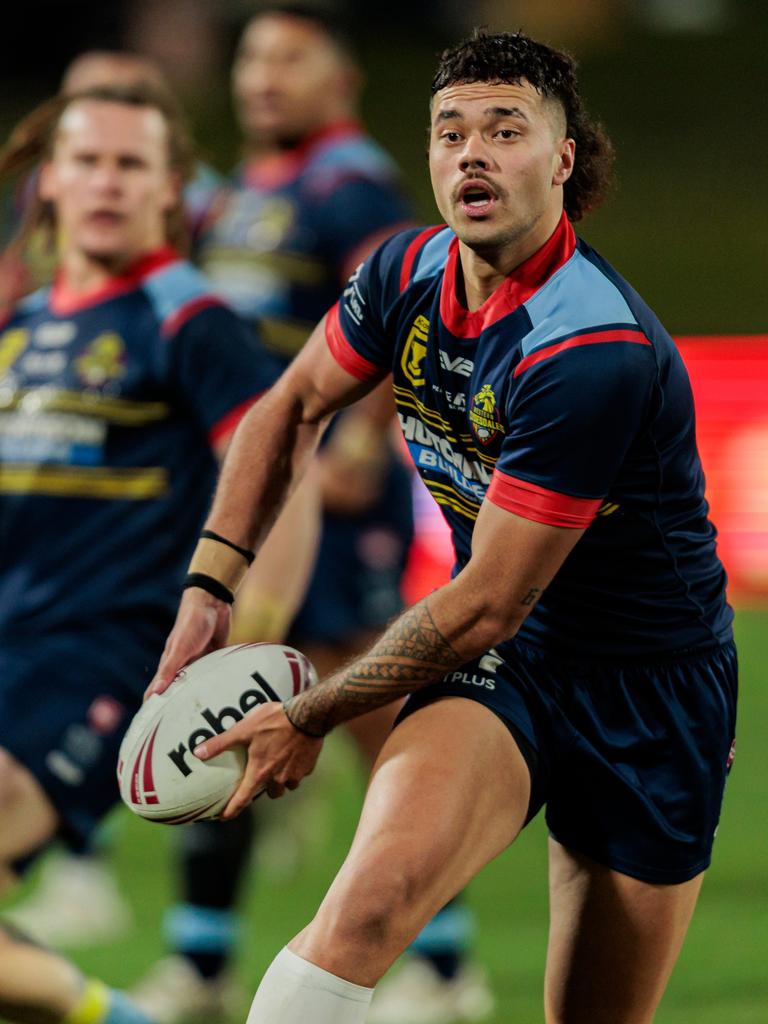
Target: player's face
[
  {"x": 288, "y": 79},
  {"x": 109, "y": 180},
  {"x": 498, "y": 159}
]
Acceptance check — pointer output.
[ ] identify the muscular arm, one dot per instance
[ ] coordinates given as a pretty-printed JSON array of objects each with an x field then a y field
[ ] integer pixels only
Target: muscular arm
[
  {"x": 275, "y": 441},
  {"x": 265, "y": 460},
  {"x": 513, "y": 560}
]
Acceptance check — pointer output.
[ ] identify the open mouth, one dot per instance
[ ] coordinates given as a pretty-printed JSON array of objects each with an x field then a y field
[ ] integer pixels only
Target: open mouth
[
  {"x": 476, "y": 198},
  {"x": 104, "y": 219}
]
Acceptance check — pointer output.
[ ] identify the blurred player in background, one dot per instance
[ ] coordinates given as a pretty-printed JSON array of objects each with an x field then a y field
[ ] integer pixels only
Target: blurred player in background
[
  {"x": 313, "y": 196},
  {"x": 109, "y": 379},
  {"x": 582, "y": 655},
  {"x": 28, "y": 260},
  {"x": 77, "y": 901}
]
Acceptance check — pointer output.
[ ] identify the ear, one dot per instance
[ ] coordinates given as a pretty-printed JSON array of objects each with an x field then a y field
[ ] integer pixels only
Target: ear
[
  {"x": 47, "y": 185},
  {"x": 564, "y": 162}
]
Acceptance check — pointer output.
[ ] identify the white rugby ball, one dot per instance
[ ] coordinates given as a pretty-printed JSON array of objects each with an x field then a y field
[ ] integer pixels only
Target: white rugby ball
[{"x": 159, "y": 776}]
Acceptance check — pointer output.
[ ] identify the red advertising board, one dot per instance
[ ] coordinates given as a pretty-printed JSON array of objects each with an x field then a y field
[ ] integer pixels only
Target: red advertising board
[{"x": 729, "y": 376}]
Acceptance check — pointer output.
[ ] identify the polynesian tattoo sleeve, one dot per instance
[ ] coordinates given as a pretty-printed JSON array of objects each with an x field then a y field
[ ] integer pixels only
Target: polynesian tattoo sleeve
[{"x": 411, "y": 653}]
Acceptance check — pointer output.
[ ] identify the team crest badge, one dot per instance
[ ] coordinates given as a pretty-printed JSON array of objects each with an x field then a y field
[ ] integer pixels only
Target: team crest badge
[
  {"x": 102, "y": 361},
  {"x": 484, "y": 415},
  {"x": 412, "y": 359}
]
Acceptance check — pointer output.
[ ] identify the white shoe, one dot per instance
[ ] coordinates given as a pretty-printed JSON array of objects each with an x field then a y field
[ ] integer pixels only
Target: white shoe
[
  {"x": 417, "y": 994},
  {"x": 76, "y": 903},
  {"x": 174, "y": 991}
]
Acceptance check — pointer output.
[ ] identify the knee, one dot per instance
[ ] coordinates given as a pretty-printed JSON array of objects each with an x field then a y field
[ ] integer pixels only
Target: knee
[{"x": 378, "y": 911}]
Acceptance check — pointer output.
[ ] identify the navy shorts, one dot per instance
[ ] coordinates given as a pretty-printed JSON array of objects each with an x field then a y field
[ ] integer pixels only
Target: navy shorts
[
  {"x": 356, "y": 583},
  {"x": 630, "y": 761},
  {"x": 66, "y": 699}
]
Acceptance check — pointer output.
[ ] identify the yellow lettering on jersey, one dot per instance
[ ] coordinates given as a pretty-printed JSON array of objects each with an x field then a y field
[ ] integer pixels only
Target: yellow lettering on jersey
[
  {"x": 414, "y": 352},
  {"x": 12, "y": 344}
]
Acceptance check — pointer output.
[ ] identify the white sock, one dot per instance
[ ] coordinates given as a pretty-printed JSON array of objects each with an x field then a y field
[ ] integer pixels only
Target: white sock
[{"x": 294, "y": 991}]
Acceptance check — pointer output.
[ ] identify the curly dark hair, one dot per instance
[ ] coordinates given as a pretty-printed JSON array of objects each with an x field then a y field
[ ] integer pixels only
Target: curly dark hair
[{"x": 513, "y": 57}]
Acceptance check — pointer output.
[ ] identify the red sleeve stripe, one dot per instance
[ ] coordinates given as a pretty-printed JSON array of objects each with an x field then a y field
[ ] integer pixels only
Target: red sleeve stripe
[
  {"x": 227, "y": 424},
  {"x": 593, "y": 338},
  {"x": 177, "y": 319},
  {"x": 344, "y": 354},
  {"x": 540, "y": 504},
  {"x": 412, "y": 252}
]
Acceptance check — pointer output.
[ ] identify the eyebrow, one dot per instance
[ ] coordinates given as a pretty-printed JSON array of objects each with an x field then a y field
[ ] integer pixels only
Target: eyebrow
[{"x": 455, "y": 115}]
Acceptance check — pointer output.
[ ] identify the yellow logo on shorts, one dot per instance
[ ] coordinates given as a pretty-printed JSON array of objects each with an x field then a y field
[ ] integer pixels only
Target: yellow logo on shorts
[
  {"x": 415, "y": 351},
  {"x": 484, "y": 415}
]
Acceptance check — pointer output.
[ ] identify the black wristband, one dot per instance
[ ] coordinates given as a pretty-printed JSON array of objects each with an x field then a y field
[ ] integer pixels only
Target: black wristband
[
  {"x": 300, "y": 728},
  {"x": 247, "y": 555},
  {"x": 209, "y": 584}
]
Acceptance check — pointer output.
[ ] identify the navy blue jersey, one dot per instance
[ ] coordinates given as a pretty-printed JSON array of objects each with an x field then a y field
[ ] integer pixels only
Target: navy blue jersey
[
  {"x": 563, "y": 400},
  {"x": 109, "y": 407},
  {"x": 294, "y": 226}
]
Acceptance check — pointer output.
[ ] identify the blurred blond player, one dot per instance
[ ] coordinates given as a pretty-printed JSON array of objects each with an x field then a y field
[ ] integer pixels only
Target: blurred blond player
[
  {"x": 111, "y": 378},
  {"x": 77, "y": 901}
]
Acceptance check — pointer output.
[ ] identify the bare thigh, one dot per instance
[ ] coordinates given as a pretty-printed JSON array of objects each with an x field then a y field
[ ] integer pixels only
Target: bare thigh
[
  {"x": 27, "y": 817},
  {"x": 613, "y": 941},
  {"x": 449, "y": 792}
]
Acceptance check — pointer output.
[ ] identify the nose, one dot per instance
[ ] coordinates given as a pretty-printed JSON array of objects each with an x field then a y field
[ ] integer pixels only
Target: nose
[
  {"x": 106, "y": 177},
  {"x": 474, "y": 154}
]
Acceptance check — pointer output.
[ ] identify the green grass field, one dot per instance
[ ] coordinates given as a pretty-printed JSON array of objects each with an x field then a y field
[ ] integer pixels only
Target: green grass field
[{"x": 721, "y": 976}]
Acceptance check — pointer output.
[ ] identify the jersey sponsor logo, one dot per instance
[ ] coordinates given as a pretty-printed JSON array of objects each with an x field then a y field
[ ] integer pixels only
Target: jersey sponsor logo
[
  {"x": 354, "y": 303},
  {"x": 31, "y": 436},
  {"x": 432, "y": 452},
  {"x": 43, "y": 364},
  {"x": 12, "y": 344},
  {"x": 484, "y": 416},
  {"x": 415, "y": 351},
  {"x": 456, "y": 399},
  {"x": 460, "y": 365},
  {"x": 103, "y": 360},
  {"x": 55, "y": 334}
]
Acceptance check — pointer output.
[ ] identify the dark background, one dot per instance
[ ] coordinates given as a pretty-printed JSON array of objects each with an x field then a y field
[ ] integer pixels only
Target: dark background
[{"x": 680, "y": 85}]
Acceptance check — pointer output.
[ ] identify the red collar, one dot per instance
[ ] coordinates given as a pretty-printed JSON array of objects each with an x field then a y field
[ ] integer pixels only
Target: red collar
[
  {"x": 516, "y": 289},
  {"x": 278, "y": 170},
  {"x": 64, "y": 301}
]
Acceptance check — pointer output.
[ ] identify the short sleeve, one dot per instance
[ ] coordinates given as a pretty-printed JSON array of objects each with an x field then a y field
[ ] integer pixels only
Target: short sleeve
[
  {"x": 219, "y": 368},
  {"x": 356, "y": 327},
  {"x": 571, "y": 418}
]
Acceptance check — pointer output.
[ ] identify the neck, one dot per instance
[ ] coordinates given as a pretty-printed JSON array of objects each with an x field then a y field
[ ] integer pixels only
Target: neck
[
  {"x": 484, "y": 269},
  {"x": 83, "y": 273},
  {"x": 275, "y": 145}
]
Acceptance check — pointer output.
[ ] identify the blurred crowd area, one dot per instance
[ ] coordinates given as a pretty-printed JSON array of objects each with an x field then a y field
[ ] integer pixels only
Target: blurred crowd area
[{"x": 678, "y": 83}]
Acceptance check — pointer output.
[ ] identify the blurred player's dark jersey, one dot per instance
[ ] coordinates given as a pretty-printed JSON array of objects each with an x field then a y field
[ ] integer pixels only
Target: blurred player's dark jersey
[
  {"x": 109, "y": 407},
  {"x": 563, "y": 400},
  {"x": 290, "y": 231},
  {"x": 287, "y": 236}
]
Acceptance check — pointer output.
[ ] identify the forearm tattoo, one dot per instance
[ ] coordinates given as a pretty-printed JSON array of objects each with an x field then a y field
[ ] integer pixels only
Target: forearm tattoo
[{"x": 412, "y": 653}]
